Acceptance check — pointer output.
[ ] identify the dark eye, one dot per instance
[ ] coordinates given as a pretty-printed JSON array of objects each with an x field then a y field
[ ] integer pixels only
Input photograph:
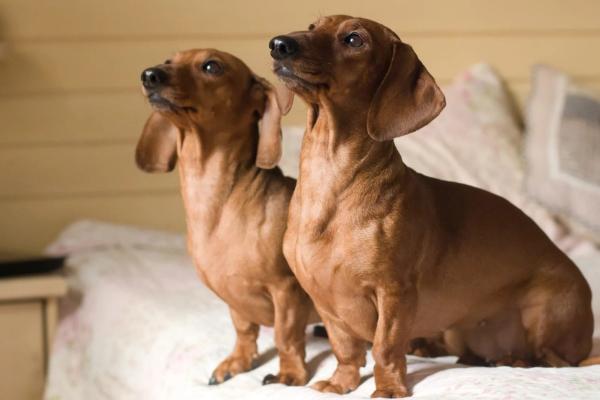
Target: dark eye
[
  {"x": 311, "y": 27},
  {"x": 212, "y": 67},
  {"x": 353, "y": 40},
  {"x": 167, "y": 62}
]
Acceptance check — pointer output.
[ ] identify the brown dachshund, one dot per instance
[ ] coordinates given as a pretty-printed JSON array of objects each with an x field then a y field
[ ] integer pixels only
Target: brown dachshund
[
  {"x": 223, "y": 124},
  {"x": 389, "y": 255}
]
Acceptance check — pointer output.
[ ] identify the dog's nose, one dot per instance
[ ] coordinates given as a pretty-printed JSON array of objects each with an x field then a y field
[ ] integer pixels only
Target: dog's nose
[
  {"x": 283, "y": 47},
  {"x": 153, "y": 78}
]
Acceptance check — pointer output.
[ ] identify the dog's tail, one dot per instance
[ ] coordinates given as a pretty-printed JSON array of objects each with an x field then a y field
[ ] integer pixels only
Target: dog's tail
[{"x": 590, "y": 361}]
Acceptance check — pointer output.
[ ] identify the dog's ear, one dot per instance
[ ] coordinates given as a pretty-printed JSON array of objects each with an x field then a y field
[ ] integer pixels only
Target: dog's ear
[
  {"x": 275, "y": 104},
  {"x": 407, "y": 97},
  {"x": 157, "y": 148}
]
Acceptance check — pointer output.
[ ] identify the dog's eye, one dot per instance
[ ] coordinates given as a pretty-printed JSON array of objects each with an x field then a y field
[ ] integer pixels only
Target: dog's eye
[
  {"x": 212, "y": 67},
  {"x": 353, "y": 40},
  {"x": 311, "y": 27},
  {"x": 167, "y": 62}
]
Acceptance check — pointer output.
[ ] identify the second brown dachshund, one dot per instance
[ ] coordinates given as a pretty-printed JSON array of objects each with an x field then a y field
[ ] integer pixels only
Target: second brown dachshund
[
  {"x": 221, "y": 123},
  {"x": 389, "y": 255}
]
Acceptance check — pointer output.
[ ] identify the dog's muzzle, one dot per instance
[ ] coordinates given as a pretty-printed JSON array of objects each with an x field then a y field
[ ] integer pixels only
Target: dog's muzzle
[
  {"x": 283, "y": 47},
  {"x": 154, "y": 78}
]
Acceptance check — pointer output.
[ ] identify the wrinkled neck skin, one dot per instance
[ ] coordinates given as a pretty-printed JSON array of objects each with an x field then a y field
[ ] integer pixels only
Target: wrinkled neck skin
[
  {"x": 212, "y": 172},
  {"x": 336, "y": 142}
]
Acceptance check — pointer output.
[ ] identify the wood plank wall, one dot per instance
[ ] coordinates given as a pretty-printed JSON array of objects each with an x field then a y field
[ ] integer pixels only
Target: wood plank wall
[{"x": 71, "y": 109}]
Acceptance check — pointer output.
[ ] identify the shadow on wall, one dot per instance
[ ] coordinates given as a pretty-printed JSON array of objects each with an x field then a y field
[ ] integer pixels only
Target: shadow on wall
[
  {"x": 515, "y": 108},
  {"x": 2, "y": 38},
  {"x": 19, "y": 74},
  {"x": 23, "y": 84}
]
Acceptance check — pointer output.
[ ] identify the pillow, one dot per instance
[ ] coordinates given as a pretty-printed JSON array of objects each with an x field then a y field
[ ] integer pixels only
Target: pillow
[
  {"x": 477, "y": 140},
  {"x": 563, "y": 150}
]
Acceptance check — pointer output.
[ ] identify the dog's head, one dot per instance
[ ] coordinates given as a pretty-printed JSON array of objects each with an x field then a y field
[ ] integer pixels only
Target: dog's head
[
  {"x": 212, "y": 92},
  {"x": 360, "y": 67}
]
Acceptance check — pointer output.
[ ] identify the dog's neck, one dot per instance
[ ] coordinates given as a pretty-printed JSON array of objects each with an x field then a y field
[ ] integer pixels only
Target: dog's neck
[
  {"x": 212, "y": 172},
  {"x": 343, "y": 142},
  {"x": 342, "y": 168}
]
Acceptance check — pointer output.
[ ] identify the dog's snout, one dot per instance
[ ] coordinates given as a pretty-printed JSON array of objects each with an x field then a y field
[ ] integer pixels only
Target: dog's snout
[
  {"x": 153, "y": 78},
  {"x": 283, "y": 47}
]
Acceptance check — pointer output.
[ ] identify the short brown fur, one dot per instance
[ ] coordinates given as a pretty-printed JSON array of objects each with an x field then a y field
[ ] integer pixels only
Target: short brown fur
[
  {"x": 389, "y": 255},
  {"x": 221, "y": 127}
]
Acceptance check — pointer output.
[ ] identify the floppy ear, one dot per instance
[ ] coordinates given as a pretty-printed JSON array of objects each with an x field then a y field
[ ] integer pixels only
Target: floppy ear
[
  {"x": 285, "y": 99},
  {"x": 157, "y": 148},
  {"x": 276, "y": 104},
  {"x": 407, "y": 98}
]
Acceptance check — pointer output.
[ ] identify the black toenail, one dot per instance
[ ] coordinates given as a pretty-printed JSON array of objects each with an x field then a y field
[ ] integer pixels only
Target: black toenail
[
  {"x": 268, "y": 379},
  {"x": 320, "y": 331}
]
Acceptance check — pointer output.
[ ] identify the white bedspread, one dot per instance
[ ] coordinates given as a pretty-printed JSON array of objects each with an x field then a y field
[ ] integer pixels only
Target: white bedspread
[{"x": 138, "y": 324}]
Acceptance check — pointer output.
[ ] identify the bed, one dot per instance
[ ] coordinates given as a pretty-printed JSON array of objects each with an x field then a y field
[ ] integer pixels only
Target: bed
[{"x": 138, "y": 324}]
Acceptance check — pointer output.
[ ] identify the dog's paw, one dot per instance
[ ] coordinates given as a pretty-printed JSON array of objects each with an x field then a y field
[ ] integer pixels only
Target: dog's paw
[
  {"x": 228, "y": 368},
  {"x": 330, "y": 387},
  {"x": 390, "y": 393},
  {"x": 214, "y": 380},
  {"x": 287, "y": 378}
]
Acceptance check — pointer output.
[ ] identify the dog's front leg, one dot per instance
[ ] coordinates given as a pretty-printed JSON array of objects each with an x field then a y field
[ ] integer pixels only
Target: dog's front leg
[
  {"x": 350, "y": 353},
  {"x": 292, "y": 307},
  {"x": 244, "y": 352},
  {"x": 395, "y": 315}
]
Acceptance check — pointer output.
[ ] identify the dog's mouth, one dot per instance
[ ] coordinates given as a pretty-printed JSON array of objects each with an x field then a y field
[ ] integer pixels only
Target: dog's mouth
[
  {"x": 294, "y": 79},
  {"x": 162, "y": 103}
]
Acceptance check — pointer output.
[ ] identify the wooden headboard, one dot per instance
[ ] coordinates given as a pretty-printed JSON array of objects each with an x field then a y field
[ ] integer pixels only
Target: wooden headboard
[{"x": 71, "y": 109}]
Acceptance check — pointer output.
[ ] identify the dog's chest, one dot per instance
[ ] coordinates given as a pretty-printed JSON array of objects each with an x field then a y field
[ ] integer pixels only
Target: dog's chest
[
  {"x": 232, "y": 272},
  {"x": 329, "y": 248},
  {"x": 332, "y": 267},
  {"x": 222, "y": 240}
]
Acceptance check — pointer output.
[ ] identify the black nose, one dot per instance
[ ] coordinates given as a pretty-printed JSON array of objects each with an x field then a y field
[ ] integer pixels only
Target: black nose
[
  {"x": 283, "y": 47},
  {"x": 153, "y": 78}
]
